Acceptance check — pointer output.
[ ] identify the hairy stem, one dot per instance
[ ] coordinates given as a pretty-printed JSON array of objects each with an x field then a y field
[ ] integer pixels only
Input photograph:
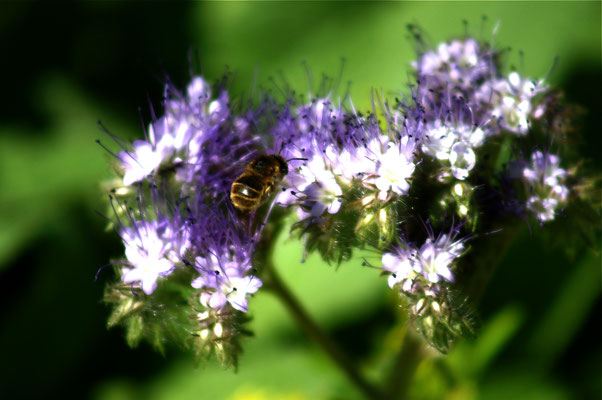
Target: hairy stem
[
  {"x": 406, "y": 363},
  {"x": 277, "y": 286}
]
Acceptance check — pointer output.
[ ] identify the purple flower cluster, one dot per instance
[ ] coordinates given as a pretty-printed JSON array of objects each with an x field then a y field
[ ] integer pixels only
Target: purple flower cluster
[
  {"x": 353, "y": 179},
  {"x": 432, "y": 261},
  {"x": 189, "y": 158},
  {"x": 223, "y": 260},
  {"x": 153, "y": 249},
  {"x": 197, "y": 137},
  {"x": 456, "y": 65},
  {"x": 342, "y": 149},
  {"x": 466, "y": 101},
  {"x": 459, "y": 103}
]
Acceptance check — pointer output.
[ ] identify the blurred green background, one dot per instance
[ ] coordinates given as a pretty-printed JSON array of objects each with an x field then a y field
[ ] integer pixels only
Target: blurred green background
[{"x": 65, "y": 66}]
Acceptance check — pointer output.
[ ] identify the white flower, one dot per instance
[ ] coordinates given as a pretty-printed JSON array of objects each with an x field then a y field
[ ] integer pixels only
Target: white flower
[
  {"x": 511, "y": 101},
  {"x": 315, "y": 185},
  {"x": 399, "y": 266},
  {"x": 392, "y": 165},
  {"x": 454, "y": 144},
  {"x": 227, "y": 281},
  {"x": 148, "y": 253},
  {"x": 459, "y": 63},
  {"x": 543, "y": 208},
  {"x": 394, "y": 171},
  {"x": 546, "y": 180},
  {"x": 436, "y": 257},
  {"x": 438, "y": 142},
  {"x": 462, "y": 159},
  {"x": 433, "y": 260}
]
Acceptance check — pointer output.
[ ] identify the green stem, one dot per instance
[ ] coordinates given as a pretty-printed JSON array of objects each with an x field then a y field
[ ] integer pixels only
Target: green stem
[
  {"x": 405, "y": 366},
  {"x": 274, "y": 283}
]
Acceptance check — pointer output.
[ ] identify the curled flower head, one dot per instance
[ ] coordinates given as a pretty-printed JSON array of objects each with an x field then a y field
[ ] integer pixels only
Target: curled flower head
[
  {"x": 170, "y": 136},
  {"x": 155, "y": 237},
  {"x": 309, "y": 133},
  {"x": 460, "y": 62},
  {"x": 346, "y": 160}
]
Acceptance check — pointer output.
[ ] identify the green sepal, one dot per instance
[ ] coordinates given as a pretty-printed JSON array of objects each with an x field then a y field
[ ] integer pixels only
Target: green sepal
[
  {"x": 158, "y": 318},
  {"x": 443, "y": 317}
]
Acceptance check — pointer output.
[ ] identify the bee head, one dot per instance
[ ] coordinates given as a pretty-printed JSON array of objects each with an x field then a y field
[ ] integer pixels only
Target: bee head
[
  {"x": 283, "y": 165},
  {"x": 269, "y": 166}
]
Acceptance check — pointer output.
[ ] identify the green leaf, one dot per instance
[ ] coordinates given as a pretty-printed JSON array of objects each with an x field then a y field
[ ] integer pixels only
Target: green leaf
[
  {"x": 472, "y": 358},
  {"x": 567, "y": 312}
]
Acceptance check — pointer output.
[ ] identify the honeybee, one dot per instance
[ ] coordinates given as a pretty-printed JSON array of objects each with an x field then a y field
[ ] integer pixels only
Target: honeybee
[{"x": 258, "y": 182}]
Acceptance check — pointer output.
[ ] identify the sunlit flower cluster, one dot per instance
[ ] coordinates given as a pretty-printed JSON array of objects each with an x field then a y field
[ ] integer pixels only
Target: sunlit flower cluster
[{"x": 381, "y": 179}]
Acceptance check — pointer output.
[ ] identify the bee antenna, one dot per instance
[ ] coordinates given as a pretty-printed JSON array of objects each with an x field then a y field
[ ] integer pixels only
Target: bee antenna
[{"x": 292, "y": 159}]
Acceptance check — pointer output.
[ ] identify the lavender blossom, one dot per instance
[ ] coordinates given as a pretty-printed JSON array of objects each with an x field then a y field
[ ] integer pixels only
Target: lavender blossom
[
  {"x": 513, "y": 101},
  {"x": 453, "y": 144},
  {"x": 546, "y": 181},
  {"x": 455, "y": 68},
  {"x": 451, "y": 131},
  {"x": 153, "y": 249},
  {"x": 354, "y": 180},
  {"x": 392, "y": 165},
  {"x": 223, "y": 254},
  {"x": 424, "y": 276},
  {"x": 433, "y": 260},
  {"x": 344, "y": 149},
  {"x": 310, "y": 133},
  {"x": 228, "y": 280},
  {"x": 197, "y": 137}
]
